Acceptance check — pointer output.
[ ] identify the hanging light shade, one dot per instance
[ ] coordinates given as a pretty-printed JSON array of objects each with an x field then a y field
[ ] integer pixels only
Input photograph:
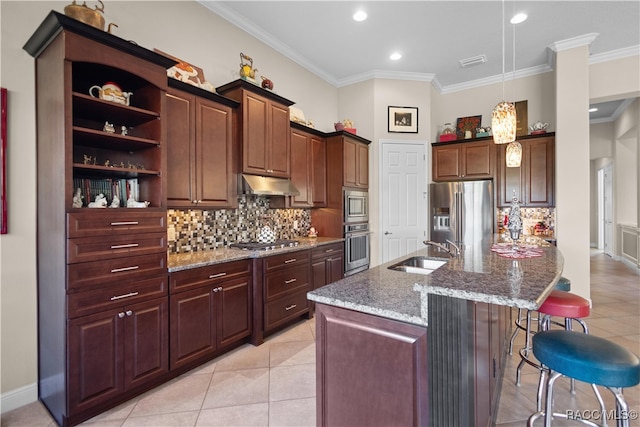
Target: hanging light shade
[
  {"x": 503, "y": 123},
  {"x": 514, "y": 154}
]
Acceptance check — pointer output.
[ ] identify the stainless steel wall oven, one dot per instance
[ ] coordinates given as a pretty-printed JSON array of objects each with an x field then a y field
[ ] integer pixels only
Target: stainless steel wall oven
[{"x": 356, "y": 254}]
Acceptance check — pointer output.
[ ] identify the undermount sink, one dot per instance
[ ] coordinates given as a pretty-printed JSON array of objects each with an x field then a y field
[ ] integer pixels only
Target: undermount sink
[{"x": 418, "y": 265}]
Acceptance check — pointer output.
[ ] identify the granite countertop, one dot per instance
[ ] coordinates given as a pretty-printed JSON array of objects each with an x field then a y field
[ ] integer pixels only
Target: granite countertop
[
  {"x": 185, "y": 261},
  {"x": 478, "y": 274}
]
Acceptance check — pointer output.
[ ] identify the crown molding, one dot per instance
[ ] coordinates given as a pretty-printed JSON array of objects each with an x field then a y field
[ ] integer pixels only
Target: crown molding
[
  {"x": 583, "y": 40},
  {"x": 615, "y": 54},
  {"x": 391, "y": 75},
  {"x": 525, "y": 72},
  {"x": 613, "y": 117}
]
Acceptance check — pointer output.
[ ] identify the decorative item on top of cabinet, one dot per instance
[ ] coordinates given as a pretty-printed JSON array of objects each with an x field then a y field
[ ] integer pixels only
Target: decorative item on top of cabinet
[
  {"x": 458, "y": 161},
  {"x": 201, "y": 158},
  {"x": 534, "y": 181},
  {"x": 102, "y": 291},
  {"x": 264, "y": 128}
]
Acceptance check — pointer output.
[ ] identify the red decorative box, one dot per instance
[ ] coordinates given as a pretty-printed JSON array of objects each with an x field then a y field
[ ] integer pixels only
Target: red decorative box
[
  {"x": 447, "y": 137},
  {"x": 350, "y": 130}
]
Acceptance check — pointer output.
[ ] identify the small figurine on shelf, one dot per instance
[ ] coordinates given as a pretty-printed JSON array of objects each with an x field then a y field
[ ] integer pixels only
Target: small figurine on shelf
[
  {"x": 124, "y": 131},
  {"x": 313, "y": 232},
  {"x": 115, "y": 203},
  {"x": 100, "y": 202},
  {"x": 108, "y": 127},
  {"x": 77, "y": 199},
  {"x": 132, "y": 203}
]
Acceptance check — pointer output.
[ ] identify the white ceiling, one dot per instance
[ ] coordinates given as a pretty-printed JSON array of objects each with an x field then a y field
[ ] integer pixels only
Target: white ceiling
[{"x": 434, "y": 35}]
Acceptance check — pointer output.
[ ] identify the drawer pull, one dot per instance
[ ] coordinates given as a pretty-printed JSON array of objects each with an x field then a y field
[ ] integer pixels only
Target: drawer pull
[
  {"x": 328, "y": 250},
  {"x": 130, "y": 294},
  {"x": 118, "y": 270},
  {"x": 128, "y": 245},
  {"x": 289, "y": 281},
  {"x": 290, "y": 260},
  {"x": 115, "y": 224},
  {"x": 213, "y": 276},
  {"x": 291, "y": 307}
]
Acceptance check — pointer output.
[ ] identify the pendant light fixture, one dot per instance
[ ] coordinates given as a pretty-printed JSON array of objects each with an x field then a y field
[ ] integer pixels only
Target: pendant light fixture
[
  {"x": 514, "y": 149},
  {"x": 503, "y": 117}
]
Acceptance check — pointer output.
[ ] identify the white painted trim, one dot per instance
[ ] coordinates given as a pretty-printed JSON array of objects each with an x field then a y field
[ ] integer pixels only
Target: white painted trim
[
  {"x": 19, "y": 397},
  {"x": 630, "y": 264},
  {"x": 572, "y": 42}
]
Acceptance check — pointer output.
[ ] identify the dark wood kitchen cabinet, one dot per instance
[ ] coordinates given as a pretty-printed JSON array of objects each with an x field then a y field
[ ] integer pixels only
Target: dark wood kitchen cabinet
[
  {"x": 356, "y": 162},
  {"x": 457, "y": 161},
  {"x": 327, "y": 264},
  {"x": 534, "y": 181},
  {"x": 308, "y": 167},
  {"x": 102, "y": 273},
  {"x": 115, "y": 351},
  {"x": 211, "y": 309},
  {"x": 264, "y": 128},
  {"x": 201, "y": 154}
]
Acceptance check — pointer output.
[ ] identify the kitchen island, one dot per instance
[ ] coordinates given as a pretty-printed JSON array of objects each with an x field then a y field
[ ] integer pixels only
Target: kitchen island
[{"x": 398, "y": 348}]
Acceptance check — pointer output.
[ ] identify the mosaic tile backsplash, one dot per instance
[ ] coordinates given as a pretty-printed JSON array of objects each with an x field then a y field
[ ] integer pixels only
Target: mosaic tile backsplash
[
  {"x": 200, "y": 230},
  {"x": 530, "y": 217}
]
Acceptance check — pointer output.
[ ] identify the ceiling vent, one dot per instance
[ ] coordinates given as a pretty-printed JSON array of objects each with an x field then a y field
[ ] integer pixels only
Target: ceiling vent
[{"x": 474, "y": 60}]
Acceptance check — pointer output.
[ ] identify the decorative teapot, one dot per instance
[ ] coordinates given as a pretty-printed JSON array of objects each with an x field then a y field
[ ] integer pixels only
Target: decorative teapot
[
  {"x": 111, "y": 91},
  {"x": 246, "y": 68},
  {"x": 538, "y": 127},
  {"x": 87, "y": 16}
]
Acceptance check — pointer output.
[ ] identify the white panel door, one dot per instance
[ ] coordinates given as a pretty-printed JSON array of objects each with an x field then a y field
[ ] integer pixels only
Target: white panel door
[{"x": 403, "y": 199}]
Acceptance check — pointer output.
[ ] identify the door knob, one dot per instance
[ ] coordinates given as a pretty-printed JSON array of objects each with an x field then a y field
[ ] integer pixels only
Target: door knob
[{"x": 386, "y": 232}]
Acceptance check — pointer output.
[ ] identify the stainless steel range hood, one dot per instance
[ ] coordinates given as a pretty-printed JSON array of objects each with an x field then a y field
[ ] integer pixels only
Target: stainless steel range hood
[{"x": 268, "y": 186}]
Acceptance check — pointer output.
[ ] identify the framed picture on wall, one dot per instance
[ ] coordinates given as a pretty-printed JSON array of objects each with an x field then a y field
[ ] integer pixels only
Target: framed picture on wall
[{"x": 403, "y": 119}]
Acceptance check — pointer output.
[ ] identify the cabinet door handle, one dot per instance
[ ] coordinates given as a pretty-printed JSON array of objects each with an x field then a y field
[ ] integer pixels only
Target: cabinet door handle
[
  {"x": 213, "y": 276},
  {"x": 290, "y": 260},
  {"x": 128, "y": 245},
  {"x": 328, "y": 250},
  {"x": 289, "y": 281},
  {"x": 291, "y": 307},
  {"x": 130, "y": 294},
  {"x": 115, "y": 224},
  {"x": 121, "y": 315},
  {"x": 129, "y": 312},
  {"x": 118, "y": 270}
]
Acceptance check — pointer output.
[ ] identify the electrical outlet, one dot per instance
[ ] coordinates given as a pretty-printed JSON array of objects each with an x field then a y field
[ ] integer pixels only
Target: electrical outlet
[
  {"x": 171, "y": 233},
  {"x": 295, "y": 224}
]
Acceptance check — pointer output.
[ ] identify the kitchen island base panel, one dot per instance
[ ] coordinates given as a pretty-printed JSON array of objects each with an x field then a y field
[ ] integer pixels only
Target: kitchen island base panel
[
  {"x": 370, "y": 371},
  {"x": 377, "y": 371}
]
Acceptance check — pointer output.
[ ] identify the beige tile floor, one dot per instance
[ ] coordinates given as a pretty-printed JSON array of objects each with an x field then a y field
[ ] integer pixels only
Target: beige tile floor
[{"x": 274, "y": 384}]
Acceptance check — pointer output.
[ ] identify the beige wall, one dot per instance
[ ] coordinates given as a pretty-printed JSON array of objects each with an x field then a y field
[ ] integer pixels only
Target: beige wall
[{"x": 187, "y": 30}]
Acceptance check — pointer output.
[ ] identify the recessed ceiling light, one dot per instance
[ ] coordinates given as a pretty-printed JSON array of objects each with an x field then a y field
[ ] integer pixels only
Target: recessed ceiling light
[
  {"x": 395, "y": 56},
  {"x": 360, "y": 15},
  {"x": 593, "y": 110},
  {"x": 518, "y": 18}
]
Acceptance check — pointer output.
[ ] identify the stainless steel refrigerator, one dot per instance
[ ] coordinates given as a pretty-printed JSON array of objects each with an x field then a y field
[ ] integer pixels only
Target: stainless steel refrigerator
[{"x": 462, "y": 212}]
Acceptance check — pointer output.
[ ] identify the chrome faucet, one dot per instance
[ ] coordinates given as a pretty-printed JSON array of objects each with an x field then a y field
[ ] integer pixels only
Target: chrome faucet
[{"x": 451, "y": 248}]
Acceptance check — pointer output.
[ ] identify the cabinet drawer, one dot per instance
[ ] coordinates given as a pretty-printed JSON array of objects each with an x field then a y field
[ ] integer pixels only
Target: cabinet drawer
[
  {"x": 115, "y": 271},
  {"x": 109, "y": 297},
  {"x": 288, "y": 259},
  {"x": 204, "y": 276},
  {"x": 281, "y": 282},
  {"x": 100, "y": 222},
  {"x": 327, "y": 250},
  {"x": 278, "y": 312},
  {"x": 84, "y": 249}
]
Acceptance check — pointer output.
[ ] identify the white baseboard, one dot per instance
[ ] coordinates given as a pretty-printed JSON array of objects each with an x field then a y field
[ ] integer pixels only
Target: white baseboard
[
  {"x": 631, "y": 264},
  {"x": 19, "y": 397}
]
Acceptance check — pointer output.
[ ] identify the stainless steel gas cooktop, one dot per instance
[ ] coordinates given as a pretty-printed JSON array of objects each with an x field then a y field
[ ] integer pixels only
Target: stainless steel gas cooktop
[{"x": 259, "y": 246}]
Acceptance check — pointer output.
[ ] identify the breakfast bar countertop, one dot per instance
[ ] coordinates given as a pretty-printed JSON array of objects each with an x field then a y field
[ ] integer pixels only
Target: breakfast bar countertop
[
  {"x": 185, "y": 261},
  {"x": 477, "y": 274}
]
